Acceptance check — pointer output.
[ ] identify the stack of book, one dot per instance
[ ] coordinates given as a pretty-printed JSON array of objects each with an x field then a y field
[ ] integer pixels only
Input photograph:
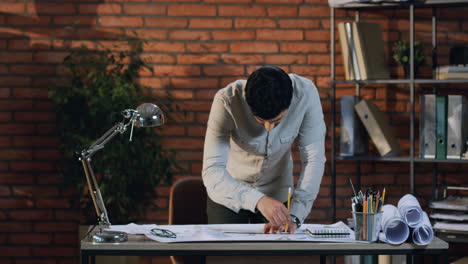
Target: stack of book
[
  {"x": 362, "y": 48},
  {"x": 448, "y": 72},
  {"x": 443, "y": 126},
  {"x": 450, "y": 218}
]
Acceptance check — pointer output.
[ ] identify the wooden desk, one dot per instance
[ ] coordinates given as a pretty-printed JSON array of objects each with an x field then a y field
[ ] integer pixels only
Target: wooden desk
[{"x": 139, "y": 245}]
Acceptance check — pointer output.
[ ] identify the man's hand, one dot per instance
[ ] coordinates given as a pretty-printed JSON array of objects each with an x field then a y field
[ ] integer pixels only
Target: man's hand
[
  {"x": 274, "y": 211},
  {"x": 268, "y": 228}
]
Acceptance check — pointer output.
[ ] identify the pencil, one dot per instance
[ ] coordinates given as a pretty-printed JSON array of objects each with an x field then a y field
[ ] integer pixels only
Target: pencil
[{"x": 289, "y": 207}]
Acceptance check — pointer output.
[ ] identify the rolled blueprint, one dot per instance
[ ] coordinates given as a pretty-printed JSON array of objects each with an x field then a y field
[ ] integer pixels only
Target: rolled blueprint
[
  {"x": 393, "y": 226},
  {"x": 423, "y": 233},
  {"x": 411, "y": 210}
]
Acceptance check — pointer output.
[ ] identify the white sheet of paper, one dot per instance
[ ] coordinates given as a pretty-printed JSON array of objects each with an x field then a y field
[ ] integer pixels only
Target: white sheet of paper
[
  {"x": 245, "y": 232},
  {"x": 133, "y": 228},
  {"x": 423, "y": 233},
  {"x": 394, "y": 228},
  {"x": 410, "y": 210}
]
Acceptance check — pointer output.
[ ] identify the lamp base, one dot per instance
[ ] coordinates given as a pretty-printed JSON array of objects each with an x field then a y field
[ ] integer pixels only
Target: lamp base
[{"x": 105, "y": 236}]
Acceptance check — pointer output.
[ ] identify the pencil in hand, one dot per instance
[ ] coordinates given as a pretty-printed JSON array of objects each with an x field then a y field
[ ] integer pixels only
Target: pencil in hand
[{"x": 289, "y": 207}]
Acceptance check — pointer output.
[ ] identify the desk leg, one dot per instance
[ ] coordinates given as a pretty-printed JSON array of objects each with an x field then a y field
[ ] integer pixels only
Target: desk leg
[
  {"x": 92, "y": 259},
  {"x": 323, "y": 259},
  {"x": 445, "y": 257},
  {"x": 84, "y": 259}
]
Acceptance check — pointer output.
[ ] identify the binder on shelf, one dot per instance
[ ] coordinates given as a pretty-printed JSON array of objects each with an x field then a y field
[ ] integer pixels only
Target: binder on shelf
[
  {"x": 369, "y": 46},
  {"x": 352, "y": 134},
  {"x": 427, "y": 126},
  {"x": 457, "y": 122},
  {"x": 378, "y": 128},
  {"x": 345, "y": 52},
  {"x": 441, "y": 127}
]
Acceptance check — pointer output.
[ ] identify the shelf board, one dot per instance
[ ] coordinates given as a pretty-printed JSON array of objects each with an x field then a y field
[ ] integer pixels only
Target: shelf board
[
  {"x": 399, "y": 159},
  {"x": 390, "y": 4},
  {"x": 401, "y": 81}
]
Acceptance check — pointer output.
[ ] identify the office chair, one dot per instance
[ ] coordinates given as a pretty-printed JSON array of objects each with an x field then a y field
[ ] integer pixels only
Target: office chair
[{"x": 187, "y": 206}]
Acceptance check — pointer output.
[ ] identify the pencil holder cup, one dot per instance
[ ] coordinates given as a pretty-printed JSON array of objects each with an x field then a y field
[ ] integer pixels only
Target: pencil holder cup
[{"x": 367, "y": 226}]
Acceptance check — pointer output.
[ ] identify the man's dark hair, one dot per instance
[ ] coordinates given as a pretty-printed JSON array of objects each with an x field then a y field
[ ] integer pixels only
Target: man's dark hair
[{"x": 268, "y": 92}]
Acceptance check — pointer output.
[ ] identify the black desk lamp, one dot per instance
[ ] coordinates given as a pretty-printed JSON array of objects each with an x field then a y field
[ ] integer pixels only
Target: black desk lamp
[{"x": 146, "y": 115}]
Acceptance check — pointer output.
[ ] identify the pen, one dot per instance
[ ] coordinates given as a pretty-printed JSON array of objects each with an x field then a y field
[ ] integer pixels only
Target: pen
[{"x": 289, "y": 207}]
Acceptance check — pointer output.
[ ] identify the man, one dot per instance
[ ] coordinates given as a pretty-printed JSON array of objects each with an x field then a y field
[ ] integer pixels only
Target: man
[{"x": 247, "y": 162}]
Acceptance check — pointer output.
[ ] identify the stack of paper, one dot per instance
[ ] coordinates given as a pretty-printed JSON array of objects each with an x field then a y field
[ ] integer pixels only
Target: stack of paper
[{"x": 450, "y": 217}]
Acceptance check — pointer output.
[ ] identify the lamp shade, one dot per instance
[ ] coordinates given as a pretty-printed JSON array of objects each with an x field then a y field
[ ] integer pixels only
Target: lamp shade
[{"x": 149, "y": 115}]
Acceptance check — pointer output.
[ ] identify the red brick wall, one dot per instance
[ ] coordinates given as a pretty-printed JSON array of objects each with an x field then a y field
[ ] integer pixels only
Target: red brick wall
[{"x": 195, "y": 47}]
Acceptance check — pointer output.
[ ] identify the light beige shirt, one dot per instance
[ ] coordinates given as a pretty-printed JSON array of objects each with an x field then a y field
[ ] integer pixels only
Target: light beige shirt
[{"x": 242, "y": 162}]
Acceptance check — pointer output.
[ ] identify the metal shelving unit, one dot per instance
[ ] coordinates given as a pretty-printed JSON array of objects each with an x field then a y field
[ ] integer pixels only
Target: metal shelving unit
[{"x": 411, "y": 159}]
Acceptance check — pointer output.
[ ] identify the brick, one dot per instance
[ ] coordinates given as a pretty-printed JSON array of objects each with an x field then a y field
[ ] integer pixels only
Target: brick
[
  {"x": 239, "y": 11},
  {"x": 234, "y": 35},
  {"x": 15, "y": 57},
  {"x": 31, "y": 238},
  {"x": 228, "y": 1},
  {"x": 46, "y": 129},
  {"x": 15, "y": 154},
  {"x": 99, "y": 33},
  {"x": 31, "y": 215},
  {"x": 194, "y": 83},
  {"x": 148, "y": 34},
  {"x": 66, "y": 239},
  {"x": 299, "y": 23},
  {"x": 254, "y": 23},
  {"x": 50, "y": 56},
  {"x": 159, "y": 46},
  {"x": 166, "y": 22},
  {"x": 5, "y": 191},
  {"x": 4, "y": 92},
  {"x": 8, "y": 33},
  {"x": 49, "y": 32},
  {"x": 318, "y": 59},
  {"x": 67, "y": 214},
  {"x": 163, "y": 70},
  {"x": 183, "y": 143},
  {"x": 55, "y": 227},
  {"x": 177, "y": 95},
  {"x": 9, "y": 8},
  {"x": 35, "y": 261},
  {"x": 29, "y": 93},
  {"x": 100, "y": 9},
  {"x": 197, "y": 59},
  {"x": 75, "y": 20},
  {"x": 53, "y": 203},
  {"x": 32, "y": 69},
  {"x": 207, "y": 47},
  {"x": 285, "y": 59},
  {"x": 292, "y": 47},
  {"x": 279, "y": 34},
  {"x": 282, "y": 11},
  {"x": 254, "y": 47},
  {"x": 52, "y": 8},
  {"x": 189, "y": 35},
  {"x": 16, "y": 178},
  {"x": 5, "y": 117},
  {"x": 210, "y": 23},
  {"x": 198, "y": 105},
  {"x": 46, "y": 154},
  {"x": 24, "y": 20},
  {"x": 35, "y": 191},
  {"x": 223, "y": 70},
  {"x": 14, "y": 81},
  {"x": 55, "y": 252},
  {"x": 153, "y": 82},
  {"x": 205, "y": 94},
  {"x": 31, "y": 166},
  {"x": 310, "y": 70},
  {"x": 6, "y": 251},
  {"x": 191, "y": 10},
  {"x": 242, "y": 59},
  {"x": 143, "y": 9},
  {"x": 290, "y": 2},
  {"x": 317, "y": 35},
  {"x": 120, "y": 21},
  {"x": 314, "y": 11},
  {"x": 16, "y": 203},
  {"x": 16, "y": 129}
]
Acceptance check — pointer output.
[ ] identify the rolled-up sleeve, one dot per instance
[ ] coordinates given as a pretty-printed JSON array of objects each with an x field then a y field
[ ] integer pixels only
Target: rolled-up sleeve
[
  {"x": 221, "y": 187},
  {"x": 312, "y": 151}
]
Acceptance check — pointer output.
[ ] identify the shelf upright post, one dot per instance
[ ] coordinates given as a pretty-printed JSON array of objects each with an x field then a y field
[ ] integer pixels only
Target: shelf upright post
[
  {"x": 333, "y": 117},
  {"x": 434, "y": 67},
  {"x": 412, "y": 180},
  {"x": 358, "y": 94}
]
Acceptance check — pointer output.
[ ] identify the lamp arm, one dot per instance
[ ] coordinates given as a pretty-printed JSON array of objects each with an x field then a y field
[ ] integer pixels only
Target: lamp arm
[{"x": 93, "y": 186}]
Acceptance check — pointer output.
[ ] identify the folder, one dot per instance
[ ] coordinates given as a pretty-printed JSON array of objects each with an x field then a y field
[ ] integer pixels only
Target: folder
[
  {"x": 345, "y": 52},
  {"x": 427, "y": 126},
  {"x": 441, "y": 127},
  {"x": 352, "y": 134},
  {"x": 457, "y": 122},
  {"x": 378, "y": 128},
  {"x": 369, "y": 46}
]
